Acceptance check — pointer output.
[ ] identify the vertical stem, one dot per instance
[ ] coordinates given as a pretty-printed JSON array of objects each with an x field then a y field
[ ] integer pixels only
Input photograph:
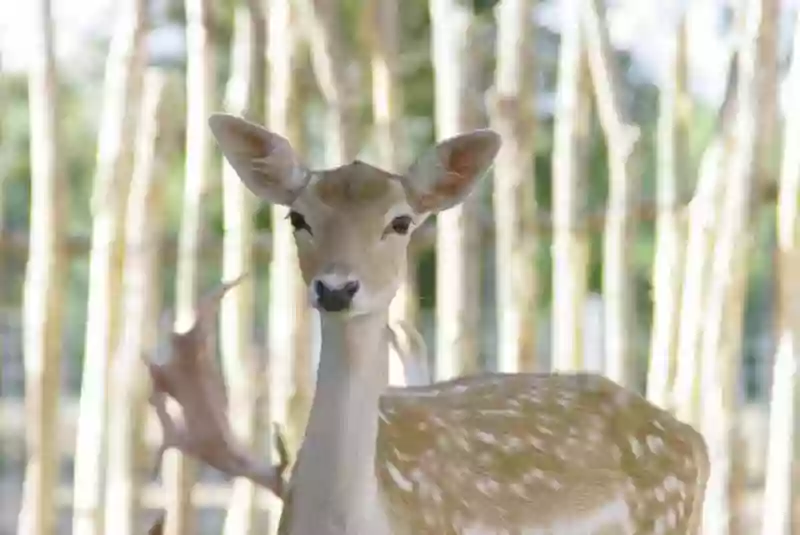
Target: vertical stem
[
  {"x": 306, "y": 352},
  {"x": 44, "y": 283},
  {"x": 141, "y": 301},
  {"x": 570, "y": 242},
  {"x": 767, "y": 125},
  {"x": 288, "y": 342},
  {"x": 702, "y": 230},
  {"x": 387, "y": 110},
  {"x": 458, "y": 243},
  {"x": 673, "y": 168},
  {"x": 514, "y": 117},
  {"x": 178, "y": 470},
  {"x": 722, "y": 329},
  {"x": 778, "y": 488},
  {"x": 121, "y": 95},
  {"x": 244, "y": 95},
  {"x": 621, "y": 139},
  {"x": 335, "y": 77}
]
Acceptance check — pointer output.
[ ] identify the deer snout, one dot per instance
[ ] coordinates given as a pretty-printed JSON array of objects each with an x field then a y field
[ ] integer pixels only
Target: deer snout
[{"x": 335, "y": 294}]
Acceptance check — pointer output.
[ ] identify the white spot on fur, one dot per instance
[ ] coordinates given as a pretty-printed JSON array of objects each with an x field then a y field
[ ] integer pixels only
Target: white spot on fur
[
  {"x": 486, "y": 438},
  {"x": 398, "y": 478},
  {"x": 672, "y": 483},
  {"x": 487, "y": 486},
  {"x": 672, "y": 519},
  {"x": 655, "y": 443},
  {"x": 636, "y": 447}
]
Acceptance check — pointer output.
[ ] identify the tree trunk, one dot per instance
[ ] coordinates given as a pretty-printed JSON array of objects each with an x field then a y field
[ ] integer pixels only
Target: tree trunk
[
  {"x": 768, "y": 139},
  {"x": 387, "y": 111},
  {"x": 766, "y": 151},
  {"x": 777, "y": 508},
  {"x": 513, "y": 112},
  {"x": 570, "y": 240},
  {"x": 288, "y": 333},
  {"x": 122, "y": 92},
  {"x": 44, "y": 284},
  {"x": 3, "y": 181},
  {"x": 335, "y": 76},
  {"x": 777, "y": 512},
  {"x": 458, "y": 239},
  {"x": 244, "y": 95},
  {"x": 702, "y": 230},
  {"x": 621, "y": 141},
  {"x": 178, "y": 470},
  {"x": 306, "y": 352},
  {"x": 672, "y": 172},
  {"x": 141, "y": 300},
  {"x": 722, "y": 328}
]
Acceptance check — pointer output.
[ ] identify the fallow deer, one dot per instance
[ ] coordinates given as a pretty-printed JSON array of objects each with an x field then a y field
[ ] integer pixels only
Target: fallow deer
[{"x": 491, "y": 453}]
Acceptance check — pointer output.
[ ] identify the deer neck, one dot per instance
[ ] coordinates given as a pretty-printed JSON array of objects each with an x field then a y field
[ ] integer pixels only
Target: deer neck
[{"x": 335, "y": 490}]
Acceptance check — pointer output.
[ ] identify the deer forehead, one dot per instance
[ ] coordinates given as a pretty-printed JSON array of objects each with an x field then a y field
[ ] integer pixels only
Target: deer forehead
[{"x": 357, "y": 187}]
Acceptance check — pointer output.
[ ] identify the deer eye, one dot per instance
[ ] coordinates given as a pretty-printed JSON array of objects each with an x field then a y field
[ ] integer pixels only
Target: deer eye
[
  {"x": 298, "y": 221},
  {"x": 400, "y": 225}
]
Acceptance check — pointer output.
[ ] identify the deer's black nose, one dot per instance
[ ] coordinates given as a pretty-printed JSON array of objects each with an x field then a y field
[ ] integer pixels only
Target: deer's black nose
[{"x": 335, "y": 299}]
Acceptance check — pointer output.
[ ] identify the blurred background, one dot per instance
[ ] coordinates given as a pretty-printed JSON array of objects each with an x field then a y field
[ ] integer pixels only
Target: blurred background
[{"x": 640, "y": 221}]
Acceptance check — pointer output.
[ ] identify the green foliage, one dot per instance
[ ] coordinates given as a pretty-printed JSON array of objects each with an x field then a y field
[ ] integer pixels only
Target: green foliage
[
  {"x": 416, "y": 68},
  {"x": 14, "y": 150},
  {"x": 77, "y": 155},
  {"x": 483, "y": 6},
  {"x": 426, "y": 278}
]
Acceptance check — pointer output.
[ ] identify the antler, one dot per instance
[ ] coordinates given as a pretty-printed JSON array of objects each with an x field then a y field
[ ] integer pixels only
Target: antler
[
  {"x": 201, "y": 429},
  {"x": 280, "y": 444}
]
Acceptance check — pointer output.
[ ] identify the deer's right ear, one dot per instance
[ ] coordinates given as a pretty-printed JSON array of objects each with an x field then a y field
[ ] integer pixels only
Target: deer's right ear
[
  {"x": 445, "y": 174},
  {"x": 264, "y": 161}
]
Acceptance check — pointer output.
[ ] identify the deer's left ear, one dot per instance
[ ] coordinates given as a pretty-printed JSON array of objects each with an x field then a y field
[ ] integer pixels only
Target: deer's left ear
[
  {"x": 444, "y": 176},
  {"x": 264, "y": 161}
]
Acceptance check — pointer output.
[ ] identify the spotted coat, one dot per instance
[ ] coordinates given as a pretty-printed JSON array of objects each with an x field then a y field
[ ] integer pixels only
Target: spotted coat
[{"x": 536, "y": 454}]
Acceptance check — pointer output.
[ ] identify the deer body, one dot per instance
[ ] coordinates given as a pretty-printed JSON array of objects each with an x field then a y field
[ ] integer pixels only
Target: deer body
[
  {"x": 537, "y": 453},
  {"x": 493, "y": 453},
  {"x": 532, "y": 454}
]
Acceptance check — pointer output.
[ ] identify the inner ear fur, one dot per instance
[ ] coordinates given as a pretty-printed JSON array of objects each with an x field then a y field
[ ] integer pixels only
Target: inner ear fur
[
  {"x": 446, "y": 174},
  {"x": 264, "y": 161}
]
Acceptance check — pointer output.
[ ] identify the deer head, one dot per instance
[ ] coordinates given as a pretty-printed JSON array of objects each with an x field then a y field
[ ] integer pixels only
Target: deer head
[{"x": 352, "y": 224}]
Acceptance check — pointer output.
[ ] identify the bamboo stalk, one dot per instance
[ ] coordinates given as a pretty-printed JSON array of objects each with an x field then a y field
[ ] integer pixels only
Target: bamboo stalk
[
  {"x": 513, "y": 114},
  {"x": 44, "y": 284},
  {"x": 570, "y": 239}
]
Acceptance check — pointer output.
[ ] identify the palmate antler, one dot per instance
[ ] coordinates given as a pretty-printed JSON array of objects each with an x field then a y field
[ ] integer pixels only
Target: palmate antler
[{"x": 201, "y": 429}]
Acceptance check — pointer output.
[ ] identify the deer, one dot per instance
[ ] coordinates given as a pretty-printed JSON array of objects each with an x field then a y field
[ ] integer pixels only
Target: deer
[{"x": 524, "y": 453}]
